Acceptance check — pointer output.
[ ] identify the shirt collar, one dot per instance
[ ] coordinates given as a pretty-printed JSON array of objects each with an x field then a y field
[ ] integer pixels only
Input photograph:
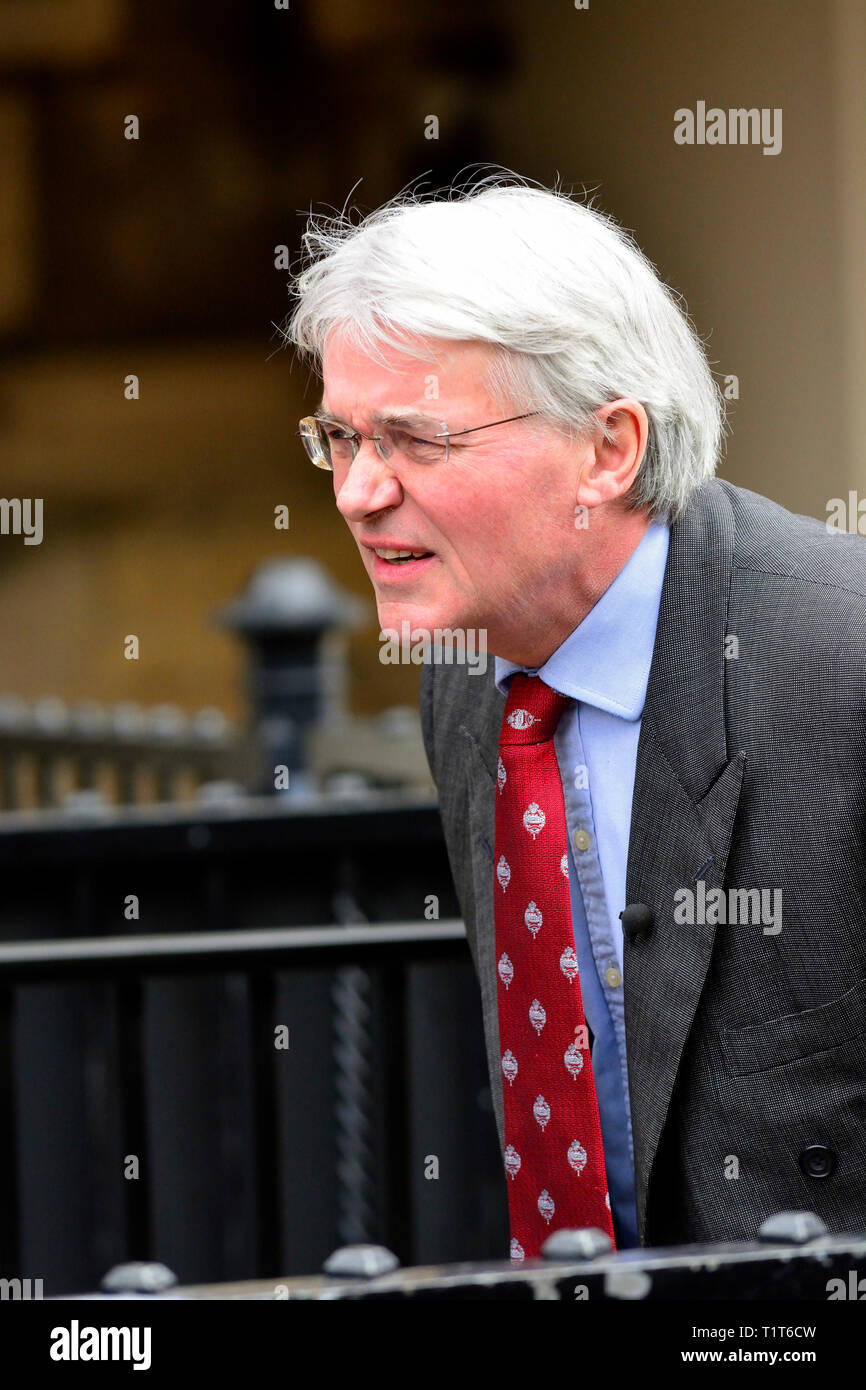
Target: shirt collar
[{"x": 606, "y": 660}]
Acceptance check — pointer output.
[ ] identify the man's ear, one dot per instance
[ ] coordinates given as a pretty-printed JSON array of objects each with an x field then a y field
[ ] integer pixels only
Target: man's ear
[{"x": 613, "y": 462}]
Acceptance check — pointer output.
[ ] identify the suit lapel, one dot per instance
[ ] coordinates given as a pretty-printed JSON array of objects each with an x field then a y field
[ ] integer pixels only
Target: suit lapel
[
  {"x": 687, "y": 786},
  {"x": 482, "y": 753}
]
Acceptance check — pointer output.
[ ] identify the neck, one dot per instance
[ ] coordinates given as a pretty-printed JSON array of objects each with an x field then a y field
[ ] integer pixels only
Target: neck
[{"x": 615, "y": 540}]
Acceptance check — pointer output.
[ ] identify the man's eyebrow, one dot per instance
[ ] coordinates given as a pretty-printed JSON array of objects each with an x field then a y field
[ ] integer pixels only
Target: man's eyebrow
[
  {"x": 406, "y": 418},
  {"x": 394, "y": 418}
]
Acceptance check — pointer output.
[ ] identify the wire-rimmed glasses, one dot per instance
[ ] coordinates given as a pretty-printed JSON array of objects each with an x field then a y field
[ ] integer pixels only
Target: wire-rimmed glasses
[{"x": 330, "y": 441}]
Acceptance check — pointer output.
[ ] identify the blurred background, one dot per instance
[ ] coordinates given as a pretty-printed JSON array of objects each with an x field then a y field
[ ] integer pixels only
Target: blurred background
[{"x": 147, "y": 399}]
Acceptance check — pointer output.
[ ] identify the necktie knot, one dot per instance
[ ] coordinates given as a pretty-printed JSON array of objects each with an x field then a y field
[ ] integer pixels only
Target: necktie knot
[{"x": 532, "y": 711}]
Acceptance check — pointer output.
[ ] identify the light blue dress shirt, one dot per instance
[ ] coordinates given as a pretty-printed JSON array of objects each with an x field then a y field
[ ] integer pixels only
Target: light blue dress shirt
[{"x": 604, "y": 666}]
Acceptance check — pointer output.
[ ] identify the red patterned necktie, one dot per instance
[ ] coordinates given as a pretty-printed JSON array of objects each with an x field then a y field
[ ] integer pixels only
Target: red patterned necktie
[{"x": 553, "y": 1146}]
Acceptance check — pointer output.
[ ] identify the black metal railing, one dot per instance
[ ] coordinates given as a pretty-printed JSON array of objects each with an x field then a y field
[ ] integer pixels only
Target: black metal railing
[
  {"x": 793, "y": 1257},
  {"x": 147, "y": 1042}
]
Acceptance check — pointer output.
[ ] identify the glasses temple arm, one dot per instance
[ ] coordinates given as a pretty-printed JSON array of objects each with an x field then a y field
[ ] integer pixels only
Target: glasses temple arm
[{"x": 511, "y": 418}]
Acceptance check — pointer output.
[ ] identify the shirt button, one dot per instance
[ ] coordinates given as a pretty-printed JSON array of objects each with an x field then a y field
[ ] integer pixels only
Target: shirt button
[
  {"x": 613, "y": 977},
  {"x": 581, "y": 840}
]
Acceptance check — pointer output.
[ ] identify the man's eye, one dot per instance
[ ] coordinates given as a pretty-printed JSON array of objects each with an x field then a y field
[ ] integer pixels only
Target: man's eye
[{"x": 334, "y": 432}]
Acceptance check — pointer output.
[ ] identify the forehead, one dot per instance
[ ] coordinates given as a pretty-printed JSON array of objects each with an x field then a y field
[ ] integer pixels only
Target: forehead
[{"x": 381, "y": 386}]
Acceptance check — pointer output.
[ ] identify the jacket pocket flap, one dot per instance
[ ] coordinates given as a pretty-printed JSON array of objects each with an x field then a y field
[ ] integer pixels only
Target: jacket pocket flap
[{"x": 780, "y": 1040}]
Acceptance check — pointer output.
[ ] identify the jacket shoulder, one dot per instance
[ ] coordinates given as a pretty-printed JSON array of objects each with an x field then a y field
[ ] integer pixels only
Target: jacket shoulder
[
  {"x": 772, "y": 540},
  {"x": 802, "y": 586}
]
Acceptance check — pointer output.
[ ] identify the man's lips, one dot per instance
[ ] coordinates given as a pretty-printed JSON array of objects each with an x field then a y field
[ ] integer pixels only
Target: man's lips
[
  {"x": 381, "y": 543},
  {"x": 390, "y": 569},
  {"x": 383, "y": 568}
]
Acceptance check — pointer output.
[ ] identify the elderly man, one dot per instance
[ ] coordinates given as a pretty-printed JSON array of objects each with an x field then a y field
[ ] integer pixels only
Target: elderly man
[{"x": 654, "y": 800}]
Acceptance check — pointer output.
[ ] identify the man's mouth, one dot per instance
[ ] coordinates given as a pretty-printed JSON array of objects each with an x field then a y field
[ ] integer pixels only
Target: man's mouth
[{"x": 402, "y": 557}]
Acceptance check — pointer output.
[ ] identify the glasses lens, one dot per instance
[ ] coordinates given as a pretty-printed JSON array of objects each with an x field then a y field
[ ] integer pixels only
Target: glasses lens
[
  {"x": 315, "y": 442},
  {"x": 338, "y": 442},
  {"x": 416, "y": 447}
]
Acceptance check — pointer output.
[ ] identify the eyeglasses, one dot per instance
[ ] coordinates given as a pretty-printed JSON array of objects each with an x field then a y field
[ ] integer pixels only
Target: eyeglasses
[{"x": 329, "y": 441}]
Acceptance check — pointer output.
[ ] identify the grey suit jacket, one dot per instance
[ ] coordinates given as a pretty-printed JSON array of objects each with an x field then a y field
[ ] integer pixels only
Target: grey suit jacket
[{"x": 746, "y": 1049}]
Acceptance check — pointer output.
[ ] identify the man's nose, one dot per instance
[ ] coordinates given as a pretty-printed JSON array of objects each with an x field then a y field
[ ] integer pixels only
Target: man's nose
[{"x": 369, "y": 485}]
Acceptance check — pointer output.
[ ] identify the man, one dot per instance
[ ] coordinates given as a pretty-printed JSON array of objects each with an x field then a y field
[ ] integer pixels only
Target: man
[{"x": 523, "y": 432}]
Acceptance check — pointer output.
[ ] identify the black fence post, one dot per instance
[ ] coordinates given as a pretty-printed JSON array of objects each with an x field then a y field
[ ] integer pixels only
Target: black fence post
[{"x": 295, "y": 675}]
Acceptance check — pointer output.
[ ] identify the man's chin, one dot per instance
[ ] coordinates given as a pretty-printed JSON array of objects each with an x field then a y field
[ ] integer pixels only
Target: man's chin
[{"x": 416, "y": 615}]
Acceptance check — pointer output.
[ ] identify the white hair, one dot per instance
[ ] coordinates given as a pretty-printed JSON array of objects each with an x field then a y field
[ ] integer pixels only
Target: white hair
[{"x": 577, "y": 311}]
